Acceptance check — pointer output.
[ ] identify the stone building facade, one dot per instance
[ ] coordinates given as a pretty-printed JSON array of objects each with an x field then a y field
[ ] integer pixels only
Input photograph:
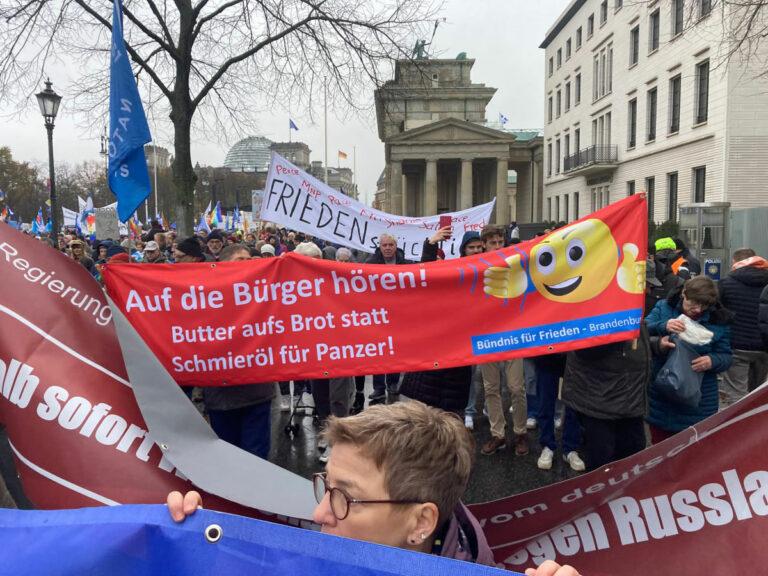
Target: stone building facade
[
  {"x": 440, "y": 153},
  {"x": 638, "y": 98}
]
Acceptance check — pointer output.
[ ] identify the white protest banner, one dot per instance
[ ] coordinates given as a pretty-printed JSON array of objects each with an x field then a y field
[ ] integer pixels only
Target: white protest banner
[
  {"x": 257, "y": 198},
  {"x": 107, "y": 225},
  {"x": 70, "y": 217},
  {"x": 301, "y": 202}
]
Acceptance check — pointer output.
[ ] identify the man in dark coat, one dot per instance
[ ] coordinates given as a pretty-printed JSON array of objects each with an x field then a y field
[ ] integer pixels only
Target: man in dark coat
[
  {"x": 740, "y": 293},
  {"x": 386, "y": 253},
  {"x": 447, "y": 388}
]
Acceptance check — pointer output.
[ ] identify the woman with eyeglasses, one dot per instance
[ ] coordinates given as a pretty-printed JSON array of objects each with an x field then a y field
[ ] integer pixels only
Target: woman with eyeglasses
[
  {"x": 698, "y": 300},
  {"x": 395, "y": 476}
]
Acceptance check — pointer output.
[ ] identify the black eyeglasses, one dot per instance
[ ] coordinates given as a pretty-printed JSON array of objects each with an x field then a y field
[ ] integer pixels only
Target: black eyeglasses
[{"x": 340, "y": 500}]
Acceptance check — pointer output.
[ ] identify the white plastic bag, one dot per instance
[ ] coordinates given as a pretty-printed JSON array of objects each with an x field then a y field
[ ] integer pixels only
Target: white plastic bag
[{"x": 694, "y": 332}]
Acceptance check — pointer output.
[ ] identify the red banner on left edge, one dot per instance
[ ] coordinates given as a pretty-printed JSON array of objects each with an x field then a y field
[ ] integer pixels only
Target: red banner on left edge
[{"x": 295, "y": 317}]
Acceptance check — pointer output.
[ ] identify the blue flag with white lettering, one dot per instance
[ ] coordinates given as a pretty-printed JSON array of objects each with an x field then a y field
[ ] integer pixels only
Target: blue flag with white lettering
[
  {"x": 128, "y": 175},
  {"x": 137, "y": 540}
]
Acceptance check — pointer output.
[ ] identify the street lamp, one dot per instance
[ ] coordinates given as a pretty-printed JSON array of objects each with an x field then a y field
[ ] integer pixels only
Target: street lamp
[{"x": 49, "y": 105}]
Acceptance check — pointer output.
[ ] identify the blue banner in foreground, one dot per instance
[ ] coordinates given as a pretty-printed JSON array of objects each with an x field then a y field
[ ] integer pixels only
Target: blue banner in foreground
[{"x": 136, "y": 540}]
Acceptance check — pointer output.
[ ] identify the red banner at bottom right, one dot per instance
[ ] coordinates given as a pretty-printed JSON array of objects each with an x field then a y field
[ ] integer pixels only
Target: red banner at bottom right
[{"x": 694, "y": 504}]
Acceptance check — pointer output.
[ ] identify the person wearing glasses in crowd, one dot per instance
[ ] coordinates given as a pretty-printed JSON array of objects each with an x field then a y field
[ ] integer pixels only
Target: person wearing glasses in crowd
[{"x": 395, "y": 476}]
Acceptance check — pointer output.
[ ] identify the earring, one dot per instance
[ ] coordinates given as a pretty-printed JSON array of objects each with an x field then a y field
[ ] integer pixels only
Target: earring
[{"x": 423, "y": 536}]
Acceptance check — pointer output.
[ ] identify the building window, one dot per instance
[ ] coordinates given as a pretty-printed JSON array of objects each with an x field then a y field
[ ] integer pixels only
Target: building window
[
  {"x": 590, "y": 25},
  {"x": 549, "y": 209},
  {"x": 634, "y": 45},
  {"x": 677, "y": 17},
  {"x": 557, "y": 208},
  {"x": 567, "y": 96},
  {"x": 549, "y": 160},
  {"x": 603, "y": 12},
  {"x": 559, "y": 104},
  {"x": 575, "y": 205},
  {"x": 557, "y": 156},
  {"x": 672, "y": 196},
  {"x": 551, "y": 67},
  {"x": 566, "y": 216},
  {"x": 549, "y": 110},
  {"x": 650, "y": 135},
  {"x": 650, "y": 195},
  {"x": 595, "y": 77},
  {"x": 567, "y": 146},
  {"x": 577, "y": 90},
  {"x": 631, "y": 188},
  {"x": 578, "y": 37},
  {"x": 632, "y": 124},
  {"x": 559, "y": 57},
  {"x": 699, "y": 183},
  {"x": 675, "y": 87},
  {"x": 702, "y": 92},
  {"x": 602, "y": 83},
  {"x": 576, "y": 140},
  {"x": 705, "y": 7},
  {"x": 568, "y": 49},
  {"x": 654, "y": 25},
  {"x": 617, "y": 5}
]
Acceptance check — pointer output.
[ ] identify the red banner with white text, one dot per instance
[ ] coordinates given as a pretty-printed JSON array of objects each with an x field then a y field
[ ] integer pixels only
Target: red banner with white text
[
  {"x": 694, "y": 504},
  {"x": 294, "y": 317}
]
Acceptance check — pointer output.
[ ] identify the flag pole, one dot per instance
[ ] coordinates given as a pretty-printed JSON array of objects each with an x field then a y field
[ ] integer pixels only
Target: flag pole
[
  {"x": 325, "y": 92},
  {"x": 354, "y": 169}
]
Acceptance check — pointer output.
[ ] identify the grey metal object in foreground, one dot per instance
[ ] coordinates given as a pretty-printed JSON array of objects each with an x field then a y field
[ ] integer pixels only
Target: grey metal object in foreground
[{"x": 194, "y": 449}]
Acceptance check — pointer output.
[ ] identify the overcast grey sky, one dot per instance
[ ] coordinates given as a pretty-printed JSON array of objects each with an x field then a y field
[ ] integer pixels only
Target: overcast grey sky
[{"x": 501, "y": 35}]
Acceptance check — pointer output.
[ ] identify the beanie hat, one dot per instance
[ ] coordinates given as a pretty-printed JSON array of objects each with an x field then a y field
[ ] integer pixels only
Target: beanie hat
[
  {"x": 268, "y": 249},
  {"x": 664, "y": 244},
  {"x": 114, "y": 249},
  {"x": 190, "y": 247},
  {"x": 215, "y": 235}
]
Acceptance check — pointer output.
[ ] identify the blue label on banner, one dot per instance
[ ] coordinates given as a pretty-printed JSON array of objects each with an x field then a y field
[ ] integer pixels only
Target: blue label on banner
[{"x": 534, "y": 336}]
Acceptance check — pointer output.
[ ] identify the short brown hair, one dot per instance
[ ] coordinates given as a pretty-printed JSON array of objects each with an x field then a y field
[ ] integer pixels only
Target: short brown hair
[
  {"x": 490, "y": 231},
  {"x": 743, "y": 254},
  {"x": 426, "y": 454},
  {"x": 701, "y": 290},
  {"x": 228, "y": 252}
]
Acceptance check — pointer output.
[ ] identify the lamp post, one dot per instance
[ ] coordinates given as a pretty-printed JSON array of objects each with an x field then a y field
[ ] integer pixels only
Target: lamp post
[{"x": 49, "y": 102}]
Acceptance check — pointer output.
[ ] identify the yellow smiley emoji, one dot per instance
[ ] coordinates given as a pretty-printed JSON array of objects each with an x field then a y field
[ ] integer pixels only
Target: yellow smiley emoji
[
  {"x": 576, "y": 263},
  {"x": 571, "y": 265}
]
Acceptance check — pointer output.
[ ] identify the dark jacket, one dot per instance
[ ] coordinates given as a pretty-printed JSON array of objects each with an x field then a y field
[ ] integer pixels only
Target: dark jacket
[
  {"x": 611, "y": 381},
  {"x": 740, "y": 293},
  {"x": 378, "y": 258},
  {"x": 464, "y": 539},
  {"x": 240, "y": 396},
  {"x": 763, "y": 316},
  {"x": 674, "y": 417},
  {"x": 447, "y": 389}
]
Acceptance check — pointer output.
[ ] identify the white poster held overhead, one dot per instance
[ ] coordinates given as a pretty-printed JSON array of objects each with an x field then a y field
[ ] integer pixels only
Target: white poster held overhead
[
  {"x": 107, "y": 224},
  {"x": 70, "y": 217},
  {"x": 300, "y": 201},
  {"x": 257, "y": 198}
]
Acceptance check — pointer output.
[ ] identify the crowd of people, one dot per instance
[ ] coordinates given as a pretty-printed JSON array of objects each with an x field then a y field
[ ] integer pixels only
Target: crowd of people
[{"x": 603, "y": 399}]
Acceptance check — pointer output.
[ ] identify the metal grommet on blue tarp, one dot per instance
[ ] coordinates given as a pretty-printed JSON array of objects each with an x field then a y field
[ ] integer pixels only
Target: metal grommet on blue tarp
[{"x": 213, "y": 533}]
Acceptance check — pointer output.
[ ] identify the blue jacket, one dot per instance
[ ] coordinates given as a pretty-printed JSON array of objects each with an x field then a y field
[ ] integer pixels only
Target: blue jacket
[{"x": 673, "y": 417}]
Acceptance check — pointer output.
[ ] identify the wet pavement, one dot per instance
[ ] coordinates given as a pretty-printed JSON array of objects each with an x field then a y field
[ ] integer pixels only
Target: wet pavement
[{"x": 496, "y": 476}]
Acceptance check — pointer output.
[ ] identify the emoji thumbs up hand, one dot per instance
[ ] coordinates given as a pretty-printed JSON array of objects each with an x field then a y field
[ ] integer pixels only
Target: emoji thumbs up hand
[
  {"x": 509, "y": 282},
  {"x": 631, "y": 273}
]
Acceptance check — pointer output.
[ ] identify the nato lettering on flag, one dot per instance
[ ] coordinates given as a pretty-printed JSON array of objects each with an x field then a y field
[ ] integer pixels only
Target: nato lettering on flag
[{"x": 128, "y": 175}]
